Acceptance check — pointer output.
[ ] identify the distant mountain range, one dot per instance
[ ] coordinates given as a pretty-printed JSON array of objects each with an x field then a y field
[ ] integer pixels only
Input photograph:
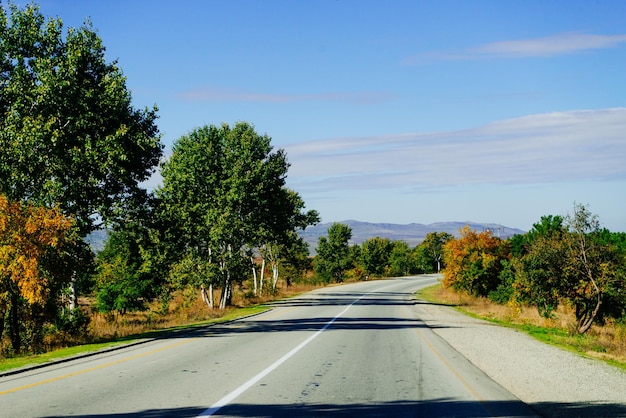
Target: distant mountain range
[{"x": 413, "y": 234}]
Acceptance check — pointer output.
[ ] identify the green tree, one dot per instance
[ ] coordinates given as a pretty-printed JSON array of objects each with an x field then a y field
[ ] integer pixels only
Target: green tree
[
  {"x": 296, "y": 260},
  {"x": 430, "y": 251},
  {"x": 124, "y": 280},
  {"x": 401, "y": 260},
  {"x": 277, "y": 235},
  {"x": 69, "y": 134},
  {"x": 333, "y": 253},
  {"x": 223, "y": 193},
  {"x": 571, "y": 264},
  {"x": 375, "y": 253}
]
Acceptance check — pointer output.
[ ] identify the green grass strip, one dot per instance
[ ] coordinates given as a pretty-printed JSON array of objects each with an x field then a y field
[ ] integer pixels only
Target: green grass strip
[
  {"x": 557, "y": 337},
  {"x": 63, "y": 353}
]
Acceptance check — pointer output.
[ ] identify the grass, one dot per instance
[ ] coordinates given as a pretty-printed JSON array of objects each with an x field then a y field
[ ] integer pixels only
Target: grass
[
  {"x": 185, "y": 311},
  {"x": 606, "y": 343}
]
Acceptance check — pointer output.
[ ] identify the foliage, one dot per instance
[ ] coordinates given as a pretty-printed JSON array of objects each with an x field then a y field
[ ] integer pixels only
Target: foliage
[
  {"x": 375, "y": 254},
  {"x": 122, "y": 280},
  {"x": 401, "y": 260},
  {"x": 333, "y": 254},
  {"x": 429, "y": 253},
  {"x": 504, "y": 292},
  {"x": 474, "y": 262},
  {"x": 224, "y": 192},
  {"x": 35, "y": 248},
  {"x": 296, "y": 261},
  {"x": 69, "y": 134},
  {"x": 574, "y": 264}
]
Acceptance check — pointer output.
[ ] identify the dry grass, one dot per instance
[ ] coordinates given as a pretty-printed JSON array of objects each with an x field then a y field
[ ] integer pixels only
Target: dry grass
[
  {"x": 606, "y": 342},
  {"x": 185, "y": 308}
]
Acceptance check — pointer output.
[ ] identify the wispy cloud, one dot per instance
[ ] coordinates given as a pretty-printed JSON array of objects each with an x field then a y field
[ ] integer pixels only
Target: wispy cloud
[
  {"x": 554, "y": 45},
  {"x": 546, "y": 148},
  {"x": 209, "y": 94}
]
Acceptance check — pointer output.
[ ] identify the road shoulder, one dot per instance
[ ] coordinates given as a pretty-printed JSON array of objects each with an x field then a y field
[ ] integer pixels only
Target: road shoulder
[{"x": 554, "y": 381}]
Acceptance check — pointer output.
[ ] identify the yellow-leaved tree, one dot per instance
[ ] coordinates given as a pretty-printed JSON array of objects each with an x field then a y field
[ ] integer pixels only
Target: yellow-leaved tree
[
  {"x": 474, "y": 262},
  {"x": 33, "y": 241}
]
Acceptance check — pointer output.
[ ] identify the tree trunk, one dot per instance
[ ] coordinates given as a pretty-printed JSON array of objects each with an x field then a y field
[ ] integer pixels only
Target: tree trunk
[
  {"x": 262, "y": 274},
  {"x": 14, "y": 324},
  {"x": 254, "y": 275},
  {"x": 587, "y": 319},
  {"x": 274, "y": 275},
  {"x": 225, "y": 297},
  {"x": 207, "y": 298},
  {"x": 3, "y": 313}
]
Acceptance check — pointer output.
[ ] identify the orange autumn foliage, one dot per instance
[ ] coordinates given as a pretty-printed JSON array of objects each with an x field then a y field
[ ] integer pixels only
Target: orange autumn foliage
[
  {"x": 473, "y": 262},
  {"x": 27, "y": 234}
]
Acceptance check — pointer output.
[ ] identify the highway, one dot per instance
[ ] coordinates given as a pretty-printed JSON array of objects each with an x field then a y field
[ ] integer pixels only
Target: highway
[{"x": 354, "y": 350}]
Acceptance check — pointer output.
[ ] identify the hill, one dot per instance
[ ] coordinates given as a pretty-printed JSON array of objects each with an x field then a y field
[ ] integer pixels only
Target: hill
[{"x": 413, "y": 233}]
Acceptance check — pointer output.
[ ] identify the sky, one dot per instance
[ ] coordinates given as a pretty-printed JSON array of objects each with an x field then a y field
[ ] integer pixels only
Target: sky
[{"x": 497, "y": 111}]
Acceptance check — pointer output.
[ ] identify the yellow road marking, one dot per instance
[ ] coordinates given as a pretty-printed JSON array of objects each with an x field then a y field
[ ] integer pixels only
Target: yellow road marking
[
  {"x": 91, "y": 369},
  {"x": 445, "y": 362}
]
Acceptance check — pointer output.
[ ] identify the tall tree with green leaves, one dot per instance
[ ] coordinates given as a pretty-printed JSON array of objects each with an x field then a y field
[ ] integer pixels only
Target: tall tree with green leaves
[
  {"x": 333, "y": 253},
  {"x": 570, "y": 262},
  {"x": 69, "y": 134},
  {"x": 431, "y": 250},
  {"x": 375, "y": 253},
  {"x": 223, "y": 193},
  {"x": 401, "y": 259}
]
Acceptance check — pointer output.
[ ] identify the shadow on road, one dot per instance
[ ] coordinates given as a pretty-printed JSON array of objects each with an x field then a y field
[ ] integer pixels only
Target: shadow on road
[
  {"x": 340, "y": 299},
  {"x": 435, "y": 408},
  {"x": 315, "y": 324}
]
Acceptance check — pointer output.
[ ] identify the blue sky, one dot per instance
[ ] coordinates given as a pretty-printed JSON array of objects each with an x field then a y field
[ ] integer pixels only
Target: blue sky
[{"x": 395, "y": 111}]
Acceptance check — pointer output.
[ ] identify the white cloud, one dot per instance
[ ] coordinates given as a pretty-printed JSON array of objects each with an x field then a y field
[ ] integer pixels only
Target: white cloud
[
  {"x": 548, "y": 148},
  {"x": 558, "y": 44}
]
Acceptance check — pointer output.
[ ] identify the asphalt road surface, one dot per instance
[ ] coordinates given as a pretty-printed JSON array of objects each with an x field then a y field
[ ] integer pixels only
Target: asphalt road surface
[{"x": 353, "y": 350}]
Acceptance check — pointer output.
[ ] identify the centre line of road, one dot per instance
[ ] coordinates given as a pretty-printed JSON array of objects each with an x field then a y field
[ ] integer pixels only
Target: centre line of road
[
  {"x": 91, "y": 369},
  {"x": 408, "y": 314},
  {"x": 241, "y": 389},
  {"x": 460, "y": 378}
]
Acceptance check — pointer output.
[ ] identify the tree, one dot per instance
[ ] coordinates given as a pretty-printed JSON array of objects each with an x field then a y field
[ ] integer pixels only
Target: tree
[
  {"x": 69, "y": 134},
  {"x": 276, "y": 236},
  {"x": 474, "y": 262},
  {"x": 296, "y": 260},
  {"x": 223, "y": 193},
  {"x": 34, "y": 244},
  {"x": 401, "y": 261},
  {"x": 123, "y": 280},
  {"x": 375, "y": 253},
  {"x": 568, "y": 262},
  {"x": 432, "y": 251},
  {"x": 333, "y": 253},
  {"x": 590, "y": 271}
]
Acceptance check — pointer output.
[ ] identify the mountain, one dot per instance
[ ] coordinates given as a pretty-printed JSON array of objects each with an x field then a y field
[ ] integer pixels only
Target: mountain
[
  {"x": 97, "y": 239},
  {"x": 413, "y": 233}
]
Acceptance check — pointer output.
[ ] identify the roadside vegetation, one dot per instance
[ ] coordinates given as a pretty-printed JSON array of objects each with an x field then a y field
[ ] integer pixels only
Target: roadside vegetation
[
  {"x": 221, "y": 233},
  {"x": 606, "y": 342}
]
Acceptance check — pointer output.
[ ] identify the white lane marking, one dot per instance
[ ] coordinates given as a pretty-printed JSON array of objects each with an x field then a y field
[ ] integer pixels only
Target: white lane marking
[{"x": 241, "y": 389}]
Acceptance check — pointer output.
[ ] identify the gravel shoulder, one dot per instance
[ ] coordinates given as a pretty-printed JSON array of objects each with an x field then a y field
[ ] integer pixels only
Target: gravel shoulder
[{"x": 555, "y": 382}]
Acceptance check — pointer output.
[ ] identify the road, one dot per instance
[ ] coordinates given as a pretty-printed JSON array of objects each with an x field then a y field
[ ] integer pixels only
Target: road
[{"x": 353, "y": 350}]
